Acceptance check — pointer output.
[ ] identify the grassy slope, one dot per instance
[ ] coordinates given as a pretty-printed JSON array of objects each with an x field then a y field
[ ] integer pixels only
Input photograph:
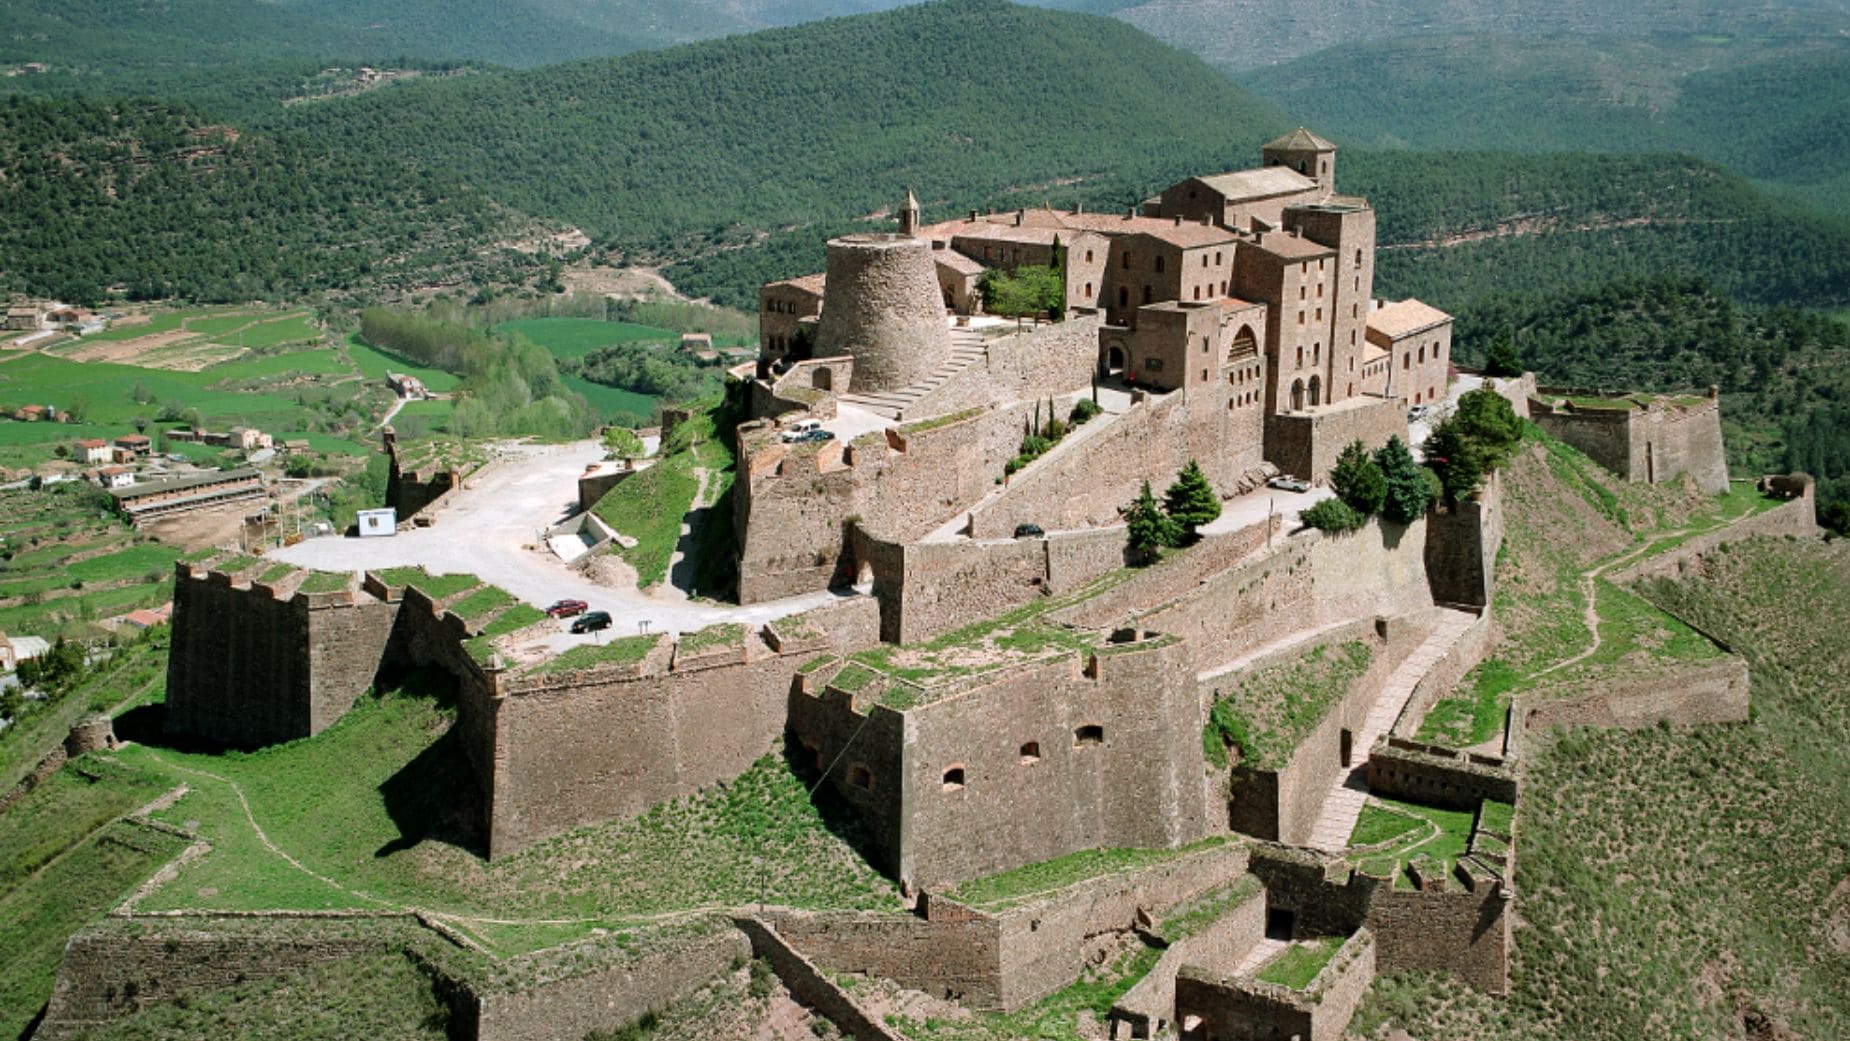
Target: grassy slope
[{"x": 1687, "y": 882}]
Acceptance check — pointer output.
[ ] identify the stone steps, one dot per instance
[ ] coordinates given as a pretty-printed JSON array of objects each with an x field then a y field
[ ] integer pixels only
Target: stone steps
[
  {"x": 892, "y": 404},
  {"x": 1342, "y": 807}
]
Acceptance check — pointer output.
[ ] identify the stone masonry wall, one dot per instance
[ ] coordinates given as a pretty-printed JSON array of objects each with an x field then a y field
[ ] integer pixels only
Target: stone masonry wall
[
  {"x": 109, "y": 974},
  {"x": 1045, "y": 360},
  {"x": 1797, "y": 518},
  {"x": 1706, "y": 692},
  {"x": 1462, "y": 541},
  {"x": 1460, "y": 658},
  {"x": 1437, "y": 776},
  {"x": 1148, "y": 1008},
  {"x": 606, "y": 998},
  {"x": 1241, "y": 1009},
  {"x": 1139, "y": 784},
  {"x": 811, "y": 987},
  {"x": 1307, "y": 444},
  {"x": 959, "y": 960},
  {"x": 1653, "y": 443}
]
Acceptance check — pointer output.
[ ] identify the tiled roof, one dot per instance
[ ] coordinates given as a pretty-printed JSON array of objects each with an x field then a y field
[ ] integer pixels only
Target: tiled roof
[
  {"x": 1405, "y": 318},
  {"x": 809, "y": 283},
  {"x": 1301, "y": 140},
  {"x": 1259, "y": 184},
  {"x": 1291, "y": 247},
  {"x": 957, "y": 262}
]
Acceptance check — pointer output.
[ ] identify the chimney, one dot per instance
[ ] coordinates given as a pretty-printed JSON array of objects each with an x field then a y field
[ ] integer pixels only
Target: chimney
[
  {"x": 1018, "y": 215},
  {"x": 1206, "y": 221},
  {"x": 1130, "y": 212},
  {"x": 973, "y": 216}
]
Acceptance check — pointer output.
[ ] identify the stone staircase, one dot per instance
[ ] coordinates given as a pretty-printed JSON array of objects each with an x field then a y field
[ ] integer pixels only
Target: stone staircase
[
  {"x": 1343, "y": 805},
  {"x": 966, "y": 349}
]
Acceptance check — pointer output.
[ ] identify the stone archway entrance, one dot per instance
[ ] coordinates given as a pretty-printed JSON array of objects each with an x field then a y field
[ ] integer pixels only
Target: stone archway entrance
[{"x": 1114, "y": 360}]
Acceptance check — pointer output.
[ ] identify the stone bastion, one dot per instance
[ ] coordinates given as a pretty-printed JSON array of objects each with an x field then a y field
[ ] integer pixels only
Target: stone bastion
[{"x": 884, "y": 310}]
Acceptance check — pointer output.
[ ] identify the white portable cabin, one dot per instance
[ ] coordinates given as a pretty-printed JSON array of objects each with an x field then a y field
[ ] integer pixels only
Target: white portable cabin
[{"x": 378, "y": 522}]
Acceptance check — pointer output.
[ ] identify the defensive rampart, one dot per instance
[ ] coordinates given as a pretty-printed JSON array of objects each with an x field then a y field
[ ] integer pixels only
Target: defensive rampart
[
  {"x": 1148, "y": 1008},
  {"x": 1798, "y": 518},
  {"x": 1307, "y": 443},
  {"x": 1239, "y": 1007},
  {"x": 254, "y": 664},
  {"x": 1462, "y": 541},
  {"x": 1044, "y": 361},
  {"x": 1646, "y": 440},
  {"x": 1434, "y": 775},
  {"x": 1714, "y": 691}
]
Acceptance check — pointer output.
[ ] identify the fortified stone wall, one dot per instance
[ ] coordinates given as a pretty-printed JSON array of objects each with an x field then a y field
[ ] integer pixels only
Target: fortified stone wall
[
  {"x": 1043, "y": 361},
  {"x": 1445, "y": 674},
  {"x": 1462, "y": 541},
  {"x": 1148, "y": 1008},
  {"x": 1650, "y": 444},
  {"x": 1283, "y": 804},
  {"x": 573, "y": 748},
  {"x": 1249, "y": 1010},
  {"x": 1706, "y": 692},
  {"x": 811, "y": 987},
  {"x": 1306, "y": 444},
  {"x": 607, "y": 997},
  {"x": 959, "y": 959},
  {"x": 883, "y": 308},
  {"x": 1798, "y": 518},
  {"x": 121, "y": 970},
  {"x": 253, "y": 664},
  {"x": 1464, "y": 931},
  {"x": 1433, "y": 775}
]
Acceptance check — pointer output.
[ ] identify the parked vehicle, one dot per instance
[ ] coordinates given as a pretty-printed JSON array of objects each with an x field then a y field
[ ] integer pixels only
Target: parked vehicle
[
  {"x": 1418, "y": 412},
  {"x": 819, "y": 435},
  {"x": 591, "y": 621},
  {"x": 567, "y": 608},
  {"x": 802, "y": 430},
  {"x": 1029, "y": 531},
  {"x": 1288, "y": 483}
]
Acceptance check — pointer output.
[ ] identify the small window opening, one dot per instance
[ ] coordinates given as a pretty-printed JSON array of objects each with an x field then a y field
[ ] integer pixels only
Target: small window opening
[
  {"x": 954, "y": 779},
  {"x": 1030, "y": 753},
  {"x": 861, "y": 777},
  {"x": 1090, "y": 734}
]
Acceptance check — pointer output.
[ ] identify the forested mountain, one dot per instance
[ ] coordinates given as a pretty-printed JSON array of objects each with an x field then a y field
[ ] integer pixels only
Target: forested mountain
[
  {"x": 1251, "y": 34},
  {"x": 961, "y": 100},
  {"x": 1775, "y": 110},
  {"x": 159, "y": 202}
]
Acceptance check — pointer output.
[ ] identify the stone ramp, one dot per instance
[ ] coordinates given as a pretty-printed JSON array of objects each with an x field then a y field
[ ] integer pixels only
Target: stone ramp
[
  {"x": 966, "y": 349},
  {"x": 1263, "y": 951},
  {"x": 1343, "y": 805}
]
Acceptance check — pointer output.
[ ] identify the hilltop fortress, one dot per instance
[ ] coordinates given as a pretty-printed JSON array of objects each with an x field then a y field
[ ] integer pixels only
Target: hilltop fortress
[{"x": 992, "y": 687}]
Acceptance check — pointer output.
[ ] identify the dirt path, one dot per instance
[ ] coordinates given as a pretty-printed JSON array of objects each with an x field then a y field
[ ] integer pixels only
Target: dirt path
[{"x": 682, "y": 564}]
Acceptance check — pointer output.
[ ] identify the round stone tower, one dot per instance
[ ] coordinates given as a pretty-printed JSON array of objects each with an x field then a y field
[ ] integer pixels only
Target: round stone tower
[
  {"x": 93, "y": 733},
  {"x": 882, "y": 306}
]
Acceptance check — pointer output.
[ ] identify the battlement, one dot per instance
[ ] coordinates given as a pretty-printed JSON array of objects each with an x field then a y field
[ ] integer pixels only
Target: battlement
[{"x": 1644, "y": 438}]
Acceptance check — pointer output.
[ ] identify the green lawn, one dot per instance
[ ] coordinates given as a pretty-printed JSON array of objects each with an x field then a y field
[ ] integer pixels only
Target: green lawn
[
  {"x": 622, "y": 650},
  {"x": 1297, "y": 965},
  {"x": 577, "y": 337},
  {"x": 132, "y": 563},
  {"x": 621, "y": 406},
  {"x": 168, "y": 321},
  {"x": 649, "y": 508},
  {"x": 1031, "y": 880},
  {"x": 1440, "y": 834}
]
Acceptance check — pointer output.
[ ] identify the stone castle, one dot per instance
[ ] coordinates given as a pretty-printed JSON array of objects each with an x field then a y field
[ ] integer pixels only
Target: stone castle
[{"x": 983, "y": 701}]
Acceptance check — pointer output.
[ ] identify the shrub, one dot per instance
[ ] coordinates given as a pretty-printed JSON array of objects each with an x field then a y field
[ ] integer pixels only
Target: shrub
[
  {"x": 1083, "y": 409},
  {"x": 1334, "y": 516}
]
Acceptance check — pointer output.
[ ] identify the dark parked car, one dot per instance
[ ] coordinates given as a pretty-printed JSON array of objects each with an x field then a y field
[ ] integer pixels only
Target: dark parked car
[
  {"x": 591, "y": 621},
  {"x": 819, "y": 435},
  {"x": 1028, "y": 531},
  {"x": 567, "y": 608}
]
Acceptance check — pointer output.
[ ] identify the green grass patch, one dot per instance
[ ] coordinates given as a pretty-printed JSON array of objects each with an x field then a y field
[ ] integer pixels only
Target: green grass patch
[
  {"x": 626, "y": 407},
  {"x": 1377, "y": 825},
  {"x": 649, "y": 507},
  {"x": 66, "y": 810},
  {"x": 374, "y": 363},
  {"x": 1053, "y": 1018},
  {"x": 624, "y": 650},
  {"x": 275, "y": 572},
  {"x": 1297, "y": 965},
  {"x": 132, "y": 563},
  {"x": 326, "y": 582},
  {"x": 437, "y": 587},
  {"x": 481, "y": 603},
  {"x": 1020, "y": 884},
  {"x": 1266, "y": 714},
  {"x": 1496, "y": 816},
  {"x": 1442, "y": 835},
  {"x": 726, "y": 634},
  {"x": 1209, "y": 908},
  {"x": 577, "y": 337},
  {"x": 1462, "y": 722},
  {"x": 514, "y": 618}
]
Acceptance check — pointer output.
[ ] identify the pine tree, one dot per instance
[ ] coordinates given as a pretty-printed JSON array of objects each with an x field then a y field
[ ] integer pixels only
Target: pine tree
[
  {"x": 1408, "y": 494},
  {"x": 1502, "y": 358},
  {"x": 1358, "y": 480},
  {"x": 1148, "y": 529},
  {"x": 1190, "y": 502}
]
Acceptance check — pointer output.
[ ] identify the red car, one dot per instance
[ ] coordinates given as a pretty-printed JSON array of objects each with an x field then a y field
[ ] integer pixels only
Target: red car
[{"x": 567, "y": 608}]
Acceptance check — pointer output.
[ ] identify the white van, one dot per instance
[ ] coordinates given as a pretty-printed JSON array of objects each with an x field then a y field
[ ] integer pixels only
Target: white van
[{"x": 800, "y": 430}]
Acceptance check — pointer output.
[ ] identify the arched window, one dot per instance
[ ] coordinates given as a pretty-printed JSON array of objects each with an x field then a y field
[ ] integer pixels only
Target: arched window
[
  {"x": 954, "y": 778},
  {"x": 1316, "y": 390},
  {"x": 1087, "y": 735},
  {"x": 1030, "y": 753},
  {"x": 1297, "y": 395}
]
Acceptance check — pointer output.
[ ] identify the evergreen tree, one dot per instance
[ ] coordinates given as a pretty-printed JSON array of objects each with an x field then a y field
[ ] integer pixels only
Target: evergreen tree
[
  {"x": 1408, "y": 494},
  {"x": 1502, "y": 358},
  {"x": 1487, "y": 418},
  {"x": 1190, "y": 502},
  {"x": 1358, "y": 481},
  {"x": 1148, "y": 529}
]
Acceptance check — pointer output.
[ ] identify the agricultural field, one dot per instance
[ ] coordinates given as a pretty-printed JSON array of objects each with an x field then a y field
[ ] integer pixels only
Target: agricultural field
[
  {"x": 189, "y": 341},
  {"x": 67, "y": 562},
  {"x": 577, "y": 337}
]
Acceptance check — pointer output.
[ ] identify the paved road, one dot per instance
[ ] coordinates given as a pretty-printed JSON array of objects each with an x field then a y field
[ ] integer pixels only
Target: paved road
[{"x": 495, "y": 527}]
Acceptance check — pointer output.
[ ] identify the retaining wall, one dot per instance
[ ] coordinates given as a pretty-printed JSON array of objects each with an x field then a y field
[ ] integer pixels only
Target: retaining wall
[
  {"x": 1148, "y": 1008},
  {"x": 1248, "y": 1010},
  {"x": 808, "y": 985},
  {"x": 1437, "y": 776},
  {"x": 1797, "y": 518},
  {"x": 1715, "y": 691}
]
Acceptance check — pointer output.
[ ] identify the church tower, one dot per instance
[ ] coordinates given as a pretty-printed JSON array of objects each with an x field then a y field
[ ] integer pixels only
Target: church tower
[{"x": 1309, "y": 155}]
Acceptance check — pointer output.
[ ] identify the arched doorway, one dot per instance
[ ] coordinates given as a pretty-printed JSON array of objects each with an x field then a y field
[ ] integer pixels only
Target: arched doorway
[
  {"x": 1297, "y": 395},
  {"x": 1316, "y": 391},
  {"x": 1114, "y": 360}
]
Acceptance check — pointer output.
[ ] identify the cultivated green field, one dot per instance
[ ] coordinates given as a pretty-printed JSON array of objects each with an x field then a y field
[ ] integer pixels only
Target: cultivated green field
[
  {"x": 66, "y": 561},
  {"x": 373, "y": 363},
  {"x": 577, "y": 337}
]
